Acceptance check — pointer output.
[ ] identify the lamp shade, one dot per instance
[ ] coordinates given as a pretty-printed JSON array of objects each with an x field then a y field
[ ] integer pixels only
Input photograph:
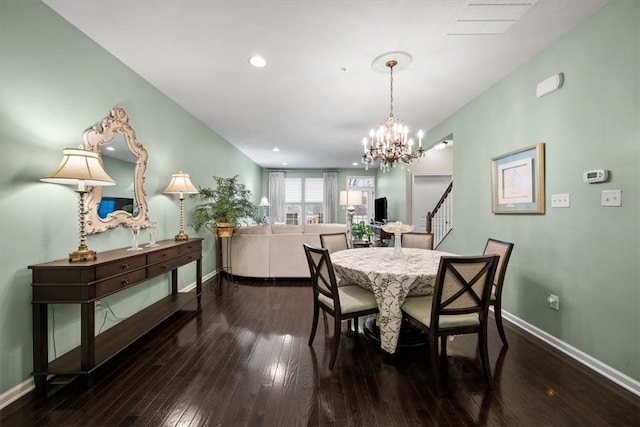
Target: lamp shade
[
  {"x": 264, "y": 202},
  {"x": 81, "y": 167},
  {"x": 180, "y": 184},
  {"x": 350, "y": 198}
]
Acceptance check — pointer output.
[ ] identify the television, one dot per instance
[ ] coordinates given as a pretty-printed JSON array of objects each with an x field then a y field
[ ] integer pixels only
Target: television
[
  {"x": 380, "y": 209},
  {"x": 111, "y": 204}
]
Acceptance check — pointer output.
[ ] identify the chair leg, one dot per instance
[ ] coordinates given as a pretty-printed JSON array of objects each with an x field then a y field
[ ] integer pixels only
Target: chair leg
[
  {"x": 336, "y": 340},
  {"x": 484, "y": 357},
  {"x": 435, "y": 364},
  {"x": 497, "y": 309},
  {"x": 316, "y": 314}
]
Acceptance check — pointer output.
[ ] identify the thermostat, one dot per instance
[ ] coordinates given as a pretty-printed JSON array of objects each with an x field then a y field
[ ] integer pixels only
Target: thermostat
[{"x": 597, "y": 175}]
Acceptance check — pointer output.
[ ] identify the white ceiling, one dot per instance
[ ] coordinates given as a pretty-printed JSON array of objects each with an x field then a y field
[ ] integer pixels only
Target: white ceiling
[{"x": 318, "y": 96}]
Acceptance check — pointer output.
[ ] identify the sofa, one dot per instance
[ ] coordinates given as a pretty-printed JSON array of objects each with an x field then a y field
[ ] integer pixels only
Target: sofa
[{"x": 272, "y": 250}]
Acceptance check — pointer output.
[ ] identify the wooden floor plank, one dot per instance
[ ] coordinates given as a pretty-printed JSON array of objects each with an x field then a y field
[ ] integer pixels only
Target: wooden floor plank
[{"x": 244, "y": 361}]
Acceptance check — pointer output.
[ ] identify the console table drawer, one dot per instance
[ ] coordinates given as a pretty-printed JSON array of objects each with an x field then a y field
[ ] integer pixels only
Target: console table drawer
[
  {"x": 191, "y": 247},
  {"x": 163, "y": 255},
  {"x": 168, "y": 265},
  {"x": 119, "y": 282},
  {"x": 119, "y": 267}
]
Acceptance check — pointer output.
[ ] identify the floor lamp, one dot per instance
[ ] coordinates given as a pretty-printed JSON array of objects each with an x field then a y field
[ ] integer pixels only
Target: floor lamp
[{"x": 350, "y": 199}]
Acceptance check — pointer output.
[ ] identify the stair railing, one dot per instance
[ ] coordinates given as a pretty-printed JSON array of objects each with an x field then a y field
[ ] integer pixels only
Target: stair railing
[{"x": 440, "y": 220}]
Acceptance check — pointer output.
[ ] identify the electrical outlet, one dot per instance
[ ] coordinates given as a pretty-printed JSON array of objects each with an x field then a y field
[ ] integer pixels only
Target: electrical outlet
[{"x": 554, "y": 301}]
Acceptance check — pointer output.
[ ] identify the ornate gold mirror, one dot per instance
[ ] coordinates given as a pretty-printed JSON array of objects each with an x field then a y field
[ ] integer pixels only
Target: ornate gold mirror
[{"x": 125, "y": 160}]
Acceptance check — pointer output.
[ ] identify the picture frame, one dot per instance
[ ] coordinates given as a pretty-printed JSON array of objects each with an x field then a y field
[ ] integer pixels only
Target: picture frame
[{"x": 517, "y": 181}]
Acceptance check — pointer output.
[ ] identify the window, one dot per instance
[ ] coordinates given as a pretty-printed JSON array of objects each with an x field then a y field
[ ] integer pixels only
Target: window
[
  {"x": 366, "y": 184},
  {"x": 313, "y": 199},
  {"x": 309, "y": 201},
  {"x": 293, "y": 200}
]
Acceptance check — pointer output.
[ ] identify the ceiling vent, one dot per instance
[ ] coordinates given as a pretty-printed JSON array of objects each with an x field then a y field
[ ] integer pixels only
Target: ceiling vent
[{"x": 489, "y": 17}]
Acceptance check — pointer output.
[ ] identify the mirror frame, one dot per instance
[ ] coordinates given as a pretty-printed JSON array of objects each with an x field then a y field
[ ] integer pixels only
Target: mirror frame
[{"x": 96, "y": 136}]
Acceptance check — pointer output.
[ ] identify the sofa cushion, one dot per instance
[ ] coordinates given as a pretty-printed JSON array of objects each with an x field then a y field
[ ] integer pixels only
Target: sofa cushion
[
  {"x": 255, "y": 229},
  {"x": 324, "y": 228},
  {"x": 285, "y": 229}
]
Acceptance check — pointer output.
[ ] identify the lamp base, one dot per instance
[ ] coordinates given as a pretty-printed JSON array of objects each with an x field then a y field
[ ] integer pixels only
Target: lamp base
[
  {"x": 83, "y": 254},
  {"x": 181, "y": 236}
]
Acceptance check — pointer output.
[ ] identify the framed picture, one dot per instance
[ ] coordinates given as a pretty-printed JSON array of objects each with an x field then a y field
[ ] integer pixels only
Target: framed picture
[{"x": 517, "y": 181}]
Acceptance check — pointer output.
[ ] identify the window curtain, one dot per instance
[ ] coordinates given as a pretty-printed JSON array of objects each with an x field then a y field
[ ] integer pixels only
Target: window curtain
[
  {"x": 330, "y": 204},
  {"x": 276, "y": 195}
]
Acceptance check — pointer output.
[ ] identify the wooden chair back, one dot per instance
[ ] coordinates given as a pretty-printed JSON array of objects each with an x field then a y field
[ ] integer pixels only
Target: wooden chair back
[
  {"x": 334, "y": 242},
  {"x": 503, "y": 250},
  {"x": 323, "y": 278},
  {"x": 417, "y": 240},
  {"x": 463, "y": 286}
]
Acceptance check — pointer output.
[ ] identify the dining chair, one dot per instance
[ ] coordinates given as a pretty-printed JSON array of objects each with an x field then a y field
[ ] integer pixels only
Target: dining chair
[
  {"x": 502, "y": 249},
  {"x": 459, "y": 305},
  {"x": 334, "y": 242},
  {"x": 343, "y": 303},
  {"x": 418, "y": 240}
]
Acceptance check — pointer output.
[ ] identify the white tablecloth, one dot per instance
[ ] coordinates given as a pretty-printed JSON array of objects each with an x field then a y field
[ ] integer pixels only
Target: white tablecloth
[{"x": 391, "y": 280}]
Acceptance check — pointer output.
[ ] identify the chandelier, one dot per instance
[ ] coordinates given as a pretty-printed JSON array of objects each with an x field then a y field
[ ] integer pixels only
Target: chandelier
[{"x": 389, "y": 143}]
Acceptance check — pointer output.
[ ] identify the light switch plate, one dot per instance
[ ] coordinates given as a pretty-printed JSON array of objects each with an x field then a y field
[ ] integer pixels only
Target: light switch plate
[
  {"x": 611, "y": 198},
  {"x": 560, "y": 200}
]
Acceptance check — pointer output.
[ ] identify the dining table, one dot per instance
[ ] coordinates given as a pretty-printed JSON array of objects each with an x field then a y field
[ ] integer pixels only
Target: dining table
[{"x": 391, "y": 278}]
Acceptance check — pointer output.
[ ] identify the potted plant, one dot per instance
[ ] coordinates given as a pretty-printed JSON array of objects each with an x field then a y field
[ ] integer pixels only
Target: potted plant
[
  {"x": 223, "y": 206},
  {"x": 361, "y": 231}
]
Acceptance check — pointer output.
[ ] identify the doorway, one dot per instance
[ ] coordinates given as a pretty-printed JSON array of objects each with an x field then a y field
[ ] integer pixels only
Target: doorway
[{"x": 426, "y": 192}]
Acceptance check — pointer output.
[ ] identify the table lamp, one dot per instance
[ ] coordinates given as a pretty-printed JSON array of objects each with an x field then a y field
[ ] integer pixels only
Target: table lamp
[
  {"x": 82, "y": 168},
  {"x": 181, "y": 184},
  {"x": 350, "y": 198},
  {"x": 264, "y": 204}
]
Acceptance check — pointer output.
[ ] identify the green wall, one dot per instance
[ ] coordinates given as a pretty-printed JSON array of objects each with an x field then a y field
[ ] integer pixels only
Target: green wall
[
  {"x": 588, "y": 255},
  {"x": 54, "y": 83}
]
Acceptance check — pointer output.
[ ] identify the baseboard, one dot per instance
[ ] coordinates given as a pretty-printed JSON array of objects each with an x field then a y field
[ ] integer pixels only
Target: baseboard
[
  {"x": 594, "y": 364},
  {"x": 206, "y": 277},
  {"x": 15, "y": 393}
]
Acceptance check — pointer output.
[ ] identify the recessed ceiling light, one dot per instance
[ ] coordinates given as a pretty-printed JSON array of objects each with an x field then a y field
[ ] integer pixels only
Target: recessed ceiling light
[
  {"x": 276, "y": 149},
  {"x": 257, "y": 61},
  {"x": 355, "y": 163},
  {"x": 110, "y": 148},
  {"x": 284, "y": 163}
]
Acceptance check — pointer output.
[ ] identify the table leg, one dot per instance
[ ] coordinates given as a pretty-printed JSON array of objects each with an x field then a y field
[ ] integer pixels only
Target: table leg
[
  {"x": 199, "y": 282},
  {"x": 40, "y": 326},
  {"x": 87, "y": 337}
]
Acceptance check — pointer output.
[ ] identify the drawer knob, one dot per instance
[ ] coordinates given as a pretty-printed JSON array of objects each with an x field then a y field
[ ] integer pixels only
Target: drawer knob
[
  {"x": 164, "y": 267},
  {"x": 165, "y": 255},
  {"x": 125, "y": 266},
  {"x": 125, "y": 281}
]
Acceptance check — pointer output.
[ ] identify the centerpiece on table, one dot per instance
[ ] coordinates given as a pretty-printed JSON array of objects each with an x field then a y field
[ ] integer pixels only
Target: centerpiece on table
[{"x": 397, "y": 228}]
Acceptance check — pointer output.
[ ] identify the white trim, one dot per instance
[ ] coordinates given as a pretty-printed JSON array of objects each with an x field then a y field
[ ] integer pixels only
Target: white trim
[
  {"x": 601, "y": 368},
  {"x": 15, "y": 393},
  {"x": 206, "y": 277}
]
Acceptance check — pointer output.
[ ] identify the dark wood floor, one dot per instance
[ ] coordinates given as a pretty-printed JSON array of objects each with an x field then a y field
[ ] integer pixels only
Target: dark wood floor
[{"x": 244, "y": 360}]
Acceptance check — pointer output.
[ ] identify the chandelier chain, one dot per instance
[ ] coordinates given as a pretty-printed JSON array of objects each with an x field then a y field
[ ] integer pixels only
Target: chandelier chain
[{"x": 391, "y": 92}]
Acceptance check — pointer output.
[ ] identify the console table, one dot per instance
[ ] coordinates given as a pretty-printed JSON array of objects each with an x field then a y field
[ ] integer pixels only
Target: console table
[{"x": 84, "y": 282}]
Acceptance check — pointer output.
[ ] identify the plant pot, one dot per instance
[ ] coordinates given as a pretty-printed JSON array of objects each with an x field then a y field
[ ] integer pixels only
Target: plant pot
[{"x": 224, "y": 229}]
